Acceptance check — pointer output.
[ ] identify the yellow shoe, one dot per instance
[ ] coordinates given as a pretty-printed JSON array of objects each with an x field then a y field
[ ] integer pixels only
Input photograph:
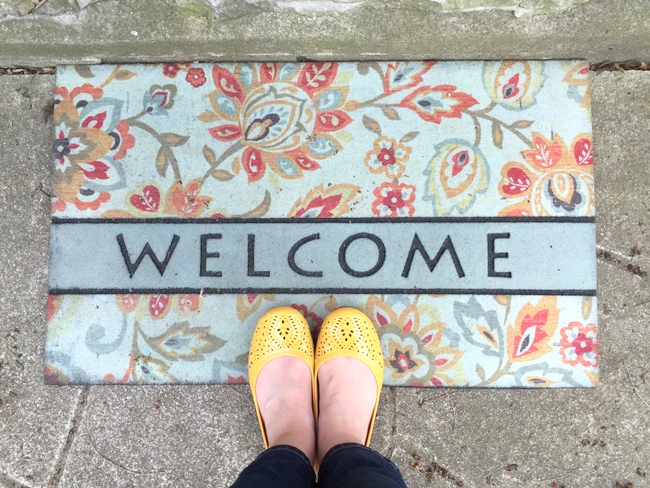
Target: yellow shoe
[
  {"x": 348, "y": 332},
  {"x": 282, "y": 331}
]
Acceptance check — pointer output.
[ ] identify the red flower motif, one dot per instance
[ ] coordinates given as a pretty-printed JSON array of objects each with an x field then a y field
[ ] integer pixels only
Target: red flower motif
[
  {"x": 171, "y": 70},
  {"x": 158, "y": 306},
  {"x": 287, "y": 144},
  {"x": 517, "y": 182},
  {"x": 583, "y": 152},
  {"x": 253, "y": 164},
  {"x": 196, "y": 77},
  {"x": 393, "y": 200},
  {"x": 579, "y": 344},
  {"x": 127, "y": 303},
  {"x": 331, "y": 121},
  {"x": 188, "y": 303},
  {"x": 315, "y": 76},
  {"x": 386, "y": 157},
  {"x": 148, "y": 200},
  {"x": 324, "y": 206},
  {"x": 239, "y": 380}
]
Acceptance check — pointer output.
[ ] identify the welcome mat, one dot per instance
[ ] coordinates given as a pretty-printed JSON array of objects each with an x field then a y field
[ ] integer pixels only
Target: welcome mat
[{"x": 453, "y": 202}]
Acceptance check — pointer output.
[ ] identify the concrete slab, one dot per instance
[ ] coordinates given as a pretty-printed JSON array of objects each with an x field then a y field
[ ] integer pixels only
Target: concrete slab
[
  {"x": 34, "y": 420},
  {"x": 163, "y": 437},
  {"x": 132, "y": 30},
  {"x": 203, "y": 436}
]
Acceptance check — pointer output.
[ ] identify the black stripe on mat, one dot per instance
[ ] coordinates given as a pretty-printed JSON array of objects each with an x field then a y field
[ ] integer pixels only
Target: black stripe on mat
[
  {"x": 358, "y": 220},
  {"x": 324, "y": 291}
]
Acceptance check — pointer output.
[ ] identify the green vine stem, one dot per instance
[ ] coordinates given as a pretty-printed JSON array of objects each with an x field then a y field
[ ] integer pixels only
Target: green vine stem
[
  {"x": 235, "y": 148},
  {"x": 477, "y": 129},
  {"x": 483, "y": 114},
  {"x": 502, "y": 370},
  {"x": 147, "y": 128}
]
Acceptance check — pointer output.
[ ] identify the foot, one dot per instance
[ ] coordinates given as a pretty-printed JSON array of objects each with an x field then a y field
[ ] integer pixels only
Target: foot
[
  {"x": 347, "y": 392},
  {"x": 284, "y": 397}
]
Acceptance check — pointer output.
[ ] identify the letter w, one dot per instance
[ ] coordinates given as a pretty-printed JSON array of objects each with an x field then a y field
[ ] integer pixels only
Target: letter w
[{"x": 133, "y": 267}]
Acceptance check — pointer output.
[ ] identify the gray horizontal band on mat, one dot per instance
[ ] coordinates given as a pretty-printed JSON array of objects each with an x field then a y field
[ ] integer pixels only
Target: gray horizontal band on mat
[{"x": 333, "y": 256}]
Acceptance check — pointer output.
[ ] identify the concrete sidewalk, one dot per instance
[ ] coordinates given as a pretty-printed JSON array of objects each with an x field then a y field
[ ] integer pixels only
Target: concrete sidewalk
[
  {"x": 204, "y": 435},
  {"x": 119, "y": 31}
]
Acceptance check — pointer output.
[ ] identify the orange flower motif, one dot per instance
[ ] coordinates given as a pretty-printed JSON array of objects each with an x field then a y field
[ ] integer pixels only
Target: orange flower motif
[
  {"x": 412, "y": 346},
  {"x": 387, "y": 156},
  {"x": 185, "y": 200},
  {"x": 92, "y": 201},
  {"x": 528, "y": 337},
  {"x": 278, "y": 116},
  {"x": 188, "y": 303},
  {"x": 321, "y": 202},
  {"x": 90, "y": 140},
  {"x": 433, "y": 103},
  {"x": 127, "y": 303},
  {"x": 247, "y": 305},
  {"x": 553, "y": 181},
  {"x": 128, "y": 141},
  {"x": 405, "y": 74},
  {"x": 58, "y": 205},
  {"x": 578, "y": 79},
  {"x": 53, "y": 305}
]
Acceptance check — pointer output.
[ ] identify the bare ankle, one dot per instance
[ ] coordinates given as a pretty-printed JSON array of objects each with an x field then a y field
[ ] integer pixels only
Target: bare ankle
[{"x": 284, "y": 398}]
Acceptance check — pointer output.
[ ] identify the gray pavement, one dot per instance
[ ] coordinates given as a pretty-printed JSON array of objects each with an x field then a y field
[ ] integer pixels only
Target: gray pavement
[
  {"x": 136, "y": 30},
  {"x": 199, "y": 436}
]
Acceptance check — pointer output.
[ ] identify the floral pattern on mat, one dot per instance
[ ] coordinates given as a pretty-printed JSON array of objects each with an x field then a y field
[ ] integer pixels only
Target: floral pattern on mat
[
  {"x": 489, "y": 341},
  {"x": 417, "y": 138},
  {"x": 329, "y": 140}
]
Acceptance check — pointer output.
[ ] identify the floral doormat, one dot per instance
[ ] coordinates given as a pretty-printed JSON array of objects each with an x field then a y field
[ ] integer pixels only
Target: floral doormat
[{"x": 453, "y": 202}]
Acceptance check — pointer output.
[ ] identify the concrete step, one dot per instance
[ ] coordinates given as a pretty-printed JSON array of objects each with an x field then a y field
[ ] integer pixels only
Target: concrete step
[{"x": 135, "y": 30}]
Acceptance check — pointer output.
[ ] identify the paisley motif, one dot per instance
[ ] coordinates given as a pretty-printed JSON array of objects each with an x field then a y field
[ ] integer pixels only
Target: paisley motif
[
  {"x": 455, "y": 175},
  {"x": 513, "y": 84},
  {"x": 277, "y": 117}
]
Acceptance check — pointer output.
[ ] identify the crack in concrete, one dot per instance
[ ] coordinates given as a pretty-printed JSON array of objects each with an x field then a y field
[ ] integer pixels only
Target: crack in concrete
[
  {"x": 611, "y": 258},
  {"x": 118, "y": 465},
  {"x": 28, "y": 70},
  {"x": 434, "y": 468},
  {"x": 446, "y": 474},
  {"x": 620, "y": 66},
  {"x": 11, "y": 482},
  {"x": 393, "y": 423},
  {"x": 59, "y": 466}
]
